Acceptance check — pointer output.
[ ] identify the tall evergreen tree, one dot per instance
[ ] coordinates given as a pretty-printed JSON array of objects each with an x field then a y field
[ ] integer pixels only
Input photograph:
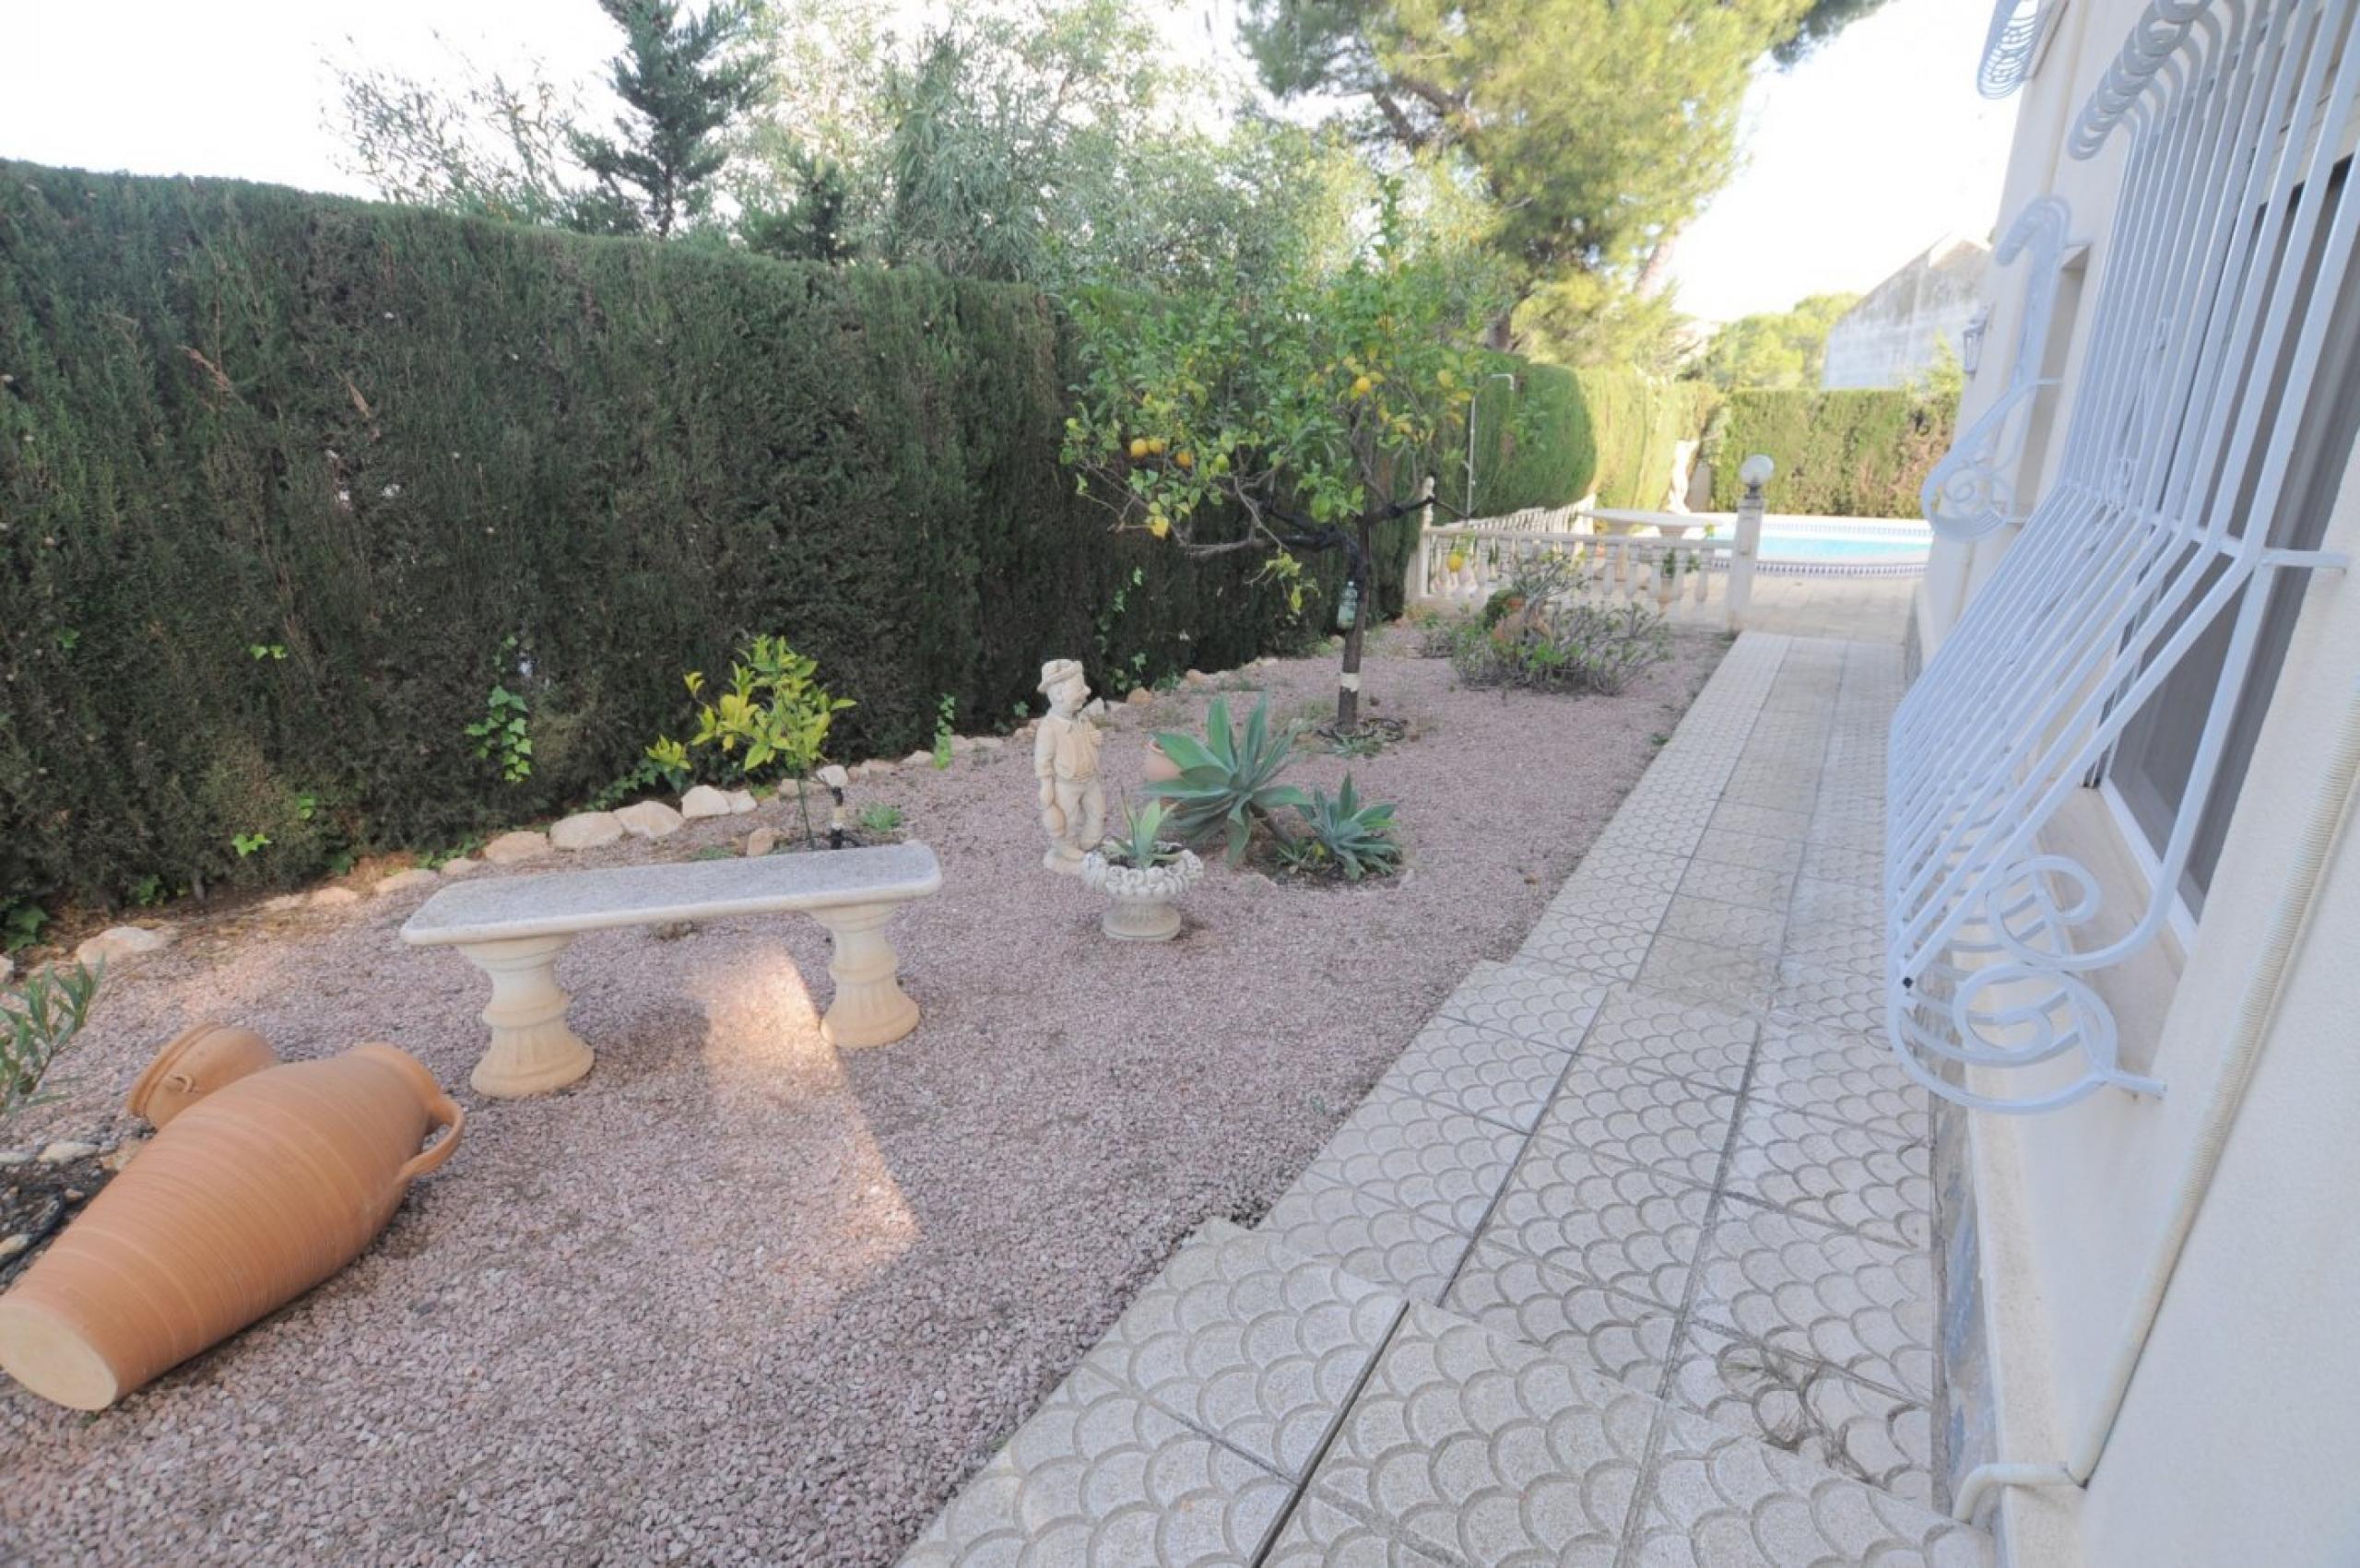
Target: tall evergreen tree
[
  {"x": 682, "y": 81},
  {"x": 1597, "y": 128}
]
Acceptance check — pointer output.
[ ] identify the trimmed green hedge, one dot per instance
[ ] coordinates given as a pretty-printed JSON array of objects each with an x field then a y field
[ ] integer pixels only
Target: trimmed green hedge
[
  {"x": 1839, "y": 454},
  {"x": 1640, "y": 421},
  {"x": 1534, "y": 444},
  {"x": 287, "y": 482}
]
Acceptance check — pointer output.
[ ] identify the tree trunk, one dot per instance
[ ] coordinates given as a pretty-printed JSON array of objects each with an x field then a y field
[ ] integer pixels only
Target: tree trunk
[{"x": 1348, "y": 683}]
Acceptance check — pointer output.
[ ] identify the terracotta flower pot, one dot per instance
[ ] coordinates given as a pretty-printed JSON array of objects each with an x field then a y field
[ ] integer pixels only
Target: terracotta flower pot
[
  {"x": 251, "y": 1195},
  {"x": 1157, "y": 768},
  {"x": 197, "y": 1062}
]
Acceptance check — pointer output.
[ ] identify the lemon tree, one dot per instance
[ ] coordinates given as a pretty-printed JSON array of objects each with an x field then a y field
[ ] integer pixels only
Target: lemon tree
[{"x": 1290, "y": 416}]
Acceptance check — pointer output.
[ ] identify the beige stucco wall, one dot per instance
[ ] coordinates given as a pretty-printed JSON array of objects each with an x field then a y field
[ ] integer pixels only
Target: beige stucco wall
[{"x": 2239, "y": 1442}]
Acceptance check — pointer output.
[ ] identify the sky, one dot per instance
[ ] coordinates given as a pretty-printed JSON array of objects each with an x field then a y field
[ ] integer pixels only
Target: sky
[{"x": 201, "y": 87}]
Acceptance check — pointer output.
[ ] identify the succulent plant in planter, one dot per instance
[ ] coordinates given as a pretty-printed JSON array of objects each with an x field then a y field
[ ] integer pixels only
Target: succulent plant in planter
[{"x": 1142, "y": 877}]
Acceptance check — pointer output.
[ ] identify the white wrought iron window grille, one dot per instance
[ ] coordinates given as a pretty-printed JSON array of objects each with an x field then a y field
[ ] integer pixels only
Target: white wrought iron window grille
[
  {"x": 1972, "y": 491},
  {"x": 2012, "y": 52},
  {"x": 2229, "y": 246}
]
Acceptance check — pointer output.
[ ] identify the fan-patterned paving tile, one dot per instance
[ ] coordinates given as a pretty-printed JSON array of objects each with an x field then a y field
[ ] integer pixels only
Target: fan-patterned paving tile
[
  {"x": 1808, "y": 1408},
  {"x": 1762, "y": 821},
  {"x": 1838, "y": 903},
  {"x": 1832, "y": 998},
  {"x": 1588, "y": 947},
  {"x": 1785, "y": 791},
  {"x": 1408, "y": 1153},
  {"x": 1641, "y": 869},
  {"x": 1672, "y": 1125},
  {"x": 1736, "y": 884},
  {"x": 1718, "y": 1499},
  {"x": 1725, "y": 846},
  {"x": 1485, "y": 1072},
  {"x": 1809, "y": 1290},
  {"x": 1359, "y": 1230},
  {"x": 1593, "y": 1216},
  {"x": 1697, "y": 919},
  {"x": 1664, "y": 1033},
  {"x": 1320, "y": 1535},
  {"x": 1493, "y": 1452},
  {"x": 1249, "y": 1343},
  {"x": 1853, "y": 831},
  {"x": 1846, "y": 1078},
  {"x": 1739, "y": 978},
  {"x": 1547, "y": 1004},
  {"x": 1655, "y": 833},
  {"x": 1629, "y": 1339},
  {"x": 1611, "y": 903},
  {"x": 1839, "y": 863},
  {"x": 1100, "y": 1478},
  {"x": 1839, "y": 945},
  {"x": 1834, "y": 1172}
]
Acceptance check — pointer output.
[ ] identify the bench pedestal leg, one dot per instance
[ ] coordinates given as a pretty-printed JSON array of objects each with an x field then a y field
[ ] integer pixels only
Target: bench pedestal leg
[
  {"x": 869, "y": 1009},
  {"x": 532, "y": 1050}
]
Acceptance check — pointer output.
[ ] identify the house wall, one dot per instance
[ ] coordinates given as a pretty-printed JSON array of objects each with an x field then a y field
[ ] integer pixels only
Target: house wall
[
  {"x": 1893, "y": 335},
  {"x": 2240, "y": 1435}
]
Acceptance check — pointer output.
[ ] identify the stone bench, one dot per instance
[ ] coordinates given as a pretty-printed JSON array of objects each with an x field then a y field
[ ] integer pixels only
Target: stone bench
[{"x": 513, "y": 928}]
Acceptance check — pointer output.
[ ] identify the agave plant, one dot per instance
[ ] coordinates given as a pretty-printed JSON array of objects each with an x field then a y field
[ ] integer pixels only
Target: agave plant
[
  {"x": 1340, "y": 832},
  {"x": 1141, "y": 843},
  {"x": 1227, "y": 779}
]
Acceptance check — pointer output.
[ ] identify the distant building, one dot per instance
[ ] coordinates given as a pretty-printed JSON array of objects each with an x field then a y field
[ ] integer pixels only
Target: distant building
[{"x": 1888, "y": 339}]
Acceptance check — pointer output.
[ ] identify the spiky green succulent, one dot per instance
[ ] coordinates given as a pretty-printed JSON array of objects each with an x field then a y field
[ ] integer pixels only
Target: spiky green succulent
[
  {"x": 1340, "y": 832},
  {"x": 1228, "y": 781},
  {"x": 1140, "y": 843}
]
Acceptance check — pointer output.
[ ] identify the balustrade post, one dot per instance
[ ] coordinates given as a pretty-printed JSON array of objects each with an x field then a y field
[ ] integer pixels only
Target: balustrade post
[
  {"x": 1754, "y": 473},
  {"x": 1415, "y": 591}
]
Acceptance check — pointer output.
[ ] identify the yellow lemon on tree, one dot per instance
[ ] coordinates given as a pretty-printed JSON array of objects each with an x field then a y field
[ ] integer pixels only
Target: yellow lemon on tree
[
  {"x": 1455, "y": 559},
  {"x": 1155, "y": 446},
  {"x": 1138, "y": 447},
  {"x": 1362, "y": 386},
  {"x": 1186, "y": 458}
]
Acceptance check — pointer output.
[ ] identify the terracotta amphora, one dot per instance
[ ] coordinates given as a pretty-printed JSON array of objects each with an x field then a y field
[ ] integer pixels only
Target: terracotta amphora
[
  {"x": 250, "y": 1195},
  {"x": 200, "y": 1060}
]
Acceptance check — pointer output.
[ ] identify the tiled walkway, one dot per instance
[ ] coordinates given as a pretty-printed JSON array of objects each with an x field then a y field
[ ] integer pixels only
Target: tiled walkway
[{"x": 1626, "y": 1262}]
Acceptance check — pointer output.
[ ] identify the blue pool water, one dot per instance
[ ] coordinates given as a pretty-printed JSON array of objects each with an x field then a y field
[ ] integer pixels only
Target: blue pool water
[{"x": 1776, "y": 546}]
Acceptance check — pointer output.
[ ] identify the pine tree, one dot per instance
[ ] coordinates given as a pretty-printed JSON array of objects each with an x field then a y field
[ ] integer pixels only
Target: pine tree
[{"x": 683, "y": 82}]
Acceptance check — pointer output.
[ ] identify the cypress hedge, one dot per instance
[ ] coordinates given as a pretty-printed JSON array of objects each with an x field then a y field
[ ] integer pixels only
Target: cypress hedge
[
  {"x": 1640, "y": 420},
  {"x": 1534, "y": 443},
  {"x": 288, "y": 483},
  {"x": 1839, "y": 454}
]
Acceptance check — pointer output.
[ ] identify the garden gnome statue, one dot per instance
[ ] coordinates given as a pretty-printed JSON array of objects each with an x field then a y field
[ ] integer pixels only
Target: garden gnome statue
[{"x": 1065, "y": 756}]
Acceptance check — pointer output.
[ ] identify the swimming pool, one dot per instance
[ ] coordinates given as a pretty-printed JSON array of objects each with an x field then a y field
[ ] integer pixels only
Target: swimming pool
[{"x": 1842, "y": 546}]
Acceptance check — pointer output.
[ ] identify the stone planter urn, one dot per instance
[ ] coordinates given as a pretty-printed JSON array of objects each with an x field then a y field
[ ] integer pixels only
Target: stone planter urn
[{"x": 1141, "y": 899}]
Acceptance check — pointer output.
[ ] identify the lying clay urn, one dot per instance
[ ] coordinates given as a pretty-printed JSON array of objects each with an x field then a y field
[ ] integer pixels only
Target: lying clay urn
[
  {"x": 1157, "y": 768},
  {"x": 255, "y": 1192},
  {"x": 197, "y": 1062}
]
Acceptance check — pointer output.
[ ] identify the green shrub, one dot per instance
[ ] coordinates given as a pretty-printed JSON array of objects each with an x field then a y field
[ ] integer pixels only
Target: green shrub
[
  {"x": 1228, "y": 781},
  {"x": 1546, "y": 638},
  {"x": 1639, "y": 423},
  {"x": 392, "y": 448},
  {"x": 1340, "y": 835},
  {"x": 39, "y": 1018},
  {"x": 1839, "y": 454},
  {"x": 1534, "y": 445}
]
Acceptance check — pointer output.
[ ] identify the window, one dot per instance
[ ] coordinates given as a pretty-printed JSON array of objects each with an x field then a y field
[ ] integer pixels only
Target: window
[{"x": 2153, "y": 761}]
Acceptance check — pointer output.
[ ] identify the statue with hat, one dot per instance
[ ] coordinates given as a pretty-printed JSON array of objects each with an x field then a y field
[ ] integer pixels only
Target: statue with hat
[{"x": 1065, "y": 757}]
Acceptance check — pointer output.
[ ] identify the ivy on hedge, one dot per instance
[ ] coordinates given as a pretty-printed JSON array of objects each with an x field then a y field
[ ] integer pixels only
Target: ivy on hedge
[
  {"x": 409, "y": 455},
  {"x": 1839, "y": 454}
]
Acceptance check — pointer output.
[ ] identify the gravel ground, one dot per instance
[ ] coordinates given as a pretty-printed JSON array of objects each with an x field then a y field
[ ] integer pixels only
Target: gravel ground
[{"x": 734, "y": 1297}]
